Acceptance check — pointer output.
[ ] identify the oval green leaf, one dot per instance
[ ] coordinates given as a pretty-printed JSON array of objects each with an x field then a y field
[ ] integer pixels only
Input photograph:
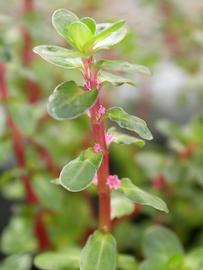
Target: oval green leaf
[
  {"x": 69, "y": 101},
  {"x": 160, "y": 244},
  {"x": 129, "y": 122},
  {"x": 99, "y": 253},
  {"x": 61, "y": 19},
  {"x": 140, "y": 196},
  {"x": 59, "y": 56},
  {"x": 68, "y": 259},
  {"x": 77, "y": 175}
]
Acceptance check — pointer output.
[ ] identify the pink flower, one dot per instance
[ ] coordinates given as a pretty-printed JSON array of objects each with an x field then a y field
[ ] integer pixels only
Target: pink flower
[
  {"x": 101, "y": 111},
  {"x": 113, "y": 182},
  {"x": 109, "y": 138},
  {"x": 97, "y": 148}
]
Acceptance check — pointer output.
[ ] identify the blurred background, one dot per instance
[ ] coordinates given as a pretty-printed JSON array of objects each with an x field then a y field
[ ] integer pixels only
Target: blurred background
[{"x": 164, "y": 35}]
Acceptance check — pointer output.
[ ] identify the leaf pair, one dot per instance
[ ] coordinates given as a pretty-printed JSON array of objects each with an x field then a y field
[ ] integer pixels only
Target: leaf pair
[{"x": 84, "y": 34}]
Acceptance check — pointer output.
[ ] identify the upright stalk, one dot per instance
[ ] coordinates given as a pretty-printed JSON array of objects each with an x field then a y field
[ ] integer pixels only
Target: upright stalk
[{"x": 90, "y": 76}]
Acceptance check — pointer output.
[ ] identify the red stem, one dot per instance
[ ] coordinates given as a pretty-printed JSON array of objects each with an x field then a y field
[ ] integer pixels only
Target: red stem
[
  {"x": 19, "y": 150},
  {"x": 28, "y": 5},
  {"x": 34, "y": 91},
  {"x": 99, "y": 136}
]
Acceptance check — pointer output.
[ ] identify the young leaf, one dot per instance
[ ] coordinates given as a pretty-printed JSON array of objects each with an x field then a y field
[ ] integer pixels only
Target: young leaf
[
  {"x": 106, "y": 36},
  {"x": 129, "y": 122},
  {"x": 120, "y": 205},
  {"x": 68, "y": 259},
  {"x": 17, "y": 262},
  {"x": 69, "y": 101},
  {"x": 140, "y": 196},
  {"x": 122, "y": 66},
  {"x": 61, "y": 19},
  {"x": 91, "y": 156},
  {"x": 116, "y": 80},
  {"x": 160, "y": 244},
  {"x": 122, "y": 138},
  {"x": 91, "y": 24},
  {"x": 59, "y": 56},
  {"x": 79, "y": 34},
  {"x": 99, "y": 253},
  {"x": 79, "y": 173}
]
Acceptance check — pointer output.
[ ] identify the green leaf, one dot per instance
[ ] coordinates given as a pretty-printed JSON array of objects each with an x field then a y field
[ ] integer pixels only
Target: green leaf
[
  {"x": 59, "y": 56},
  {"x": 69, "y": 101},
  {"x": 140, "y": 196},
  {"x": 126, "y": 262},
  {"x": 79, "y": 34},
  {"x": 91, "y": 156},
  {"x": 116, "y": 80},
  {"x": 99, "y": 253},
  {"x": 17, "y": 262},
  {"x": 120, "y": 205},
  {"x": 194, "y": 260},
  {"x": 12, "y": 243},
  {"x": 121, "y": 138},
  {"x": 129, "y": 122},
  {"x": 161, "y": 244},
  {"x": 68, "y": 259},
  {"x": 91, "y": 24},
  {"x": 61, "y": 19},
  {"x": 79, "y": 173},
  {"x": 107, "y": 35},
  {"x": 122, "y": 66}
]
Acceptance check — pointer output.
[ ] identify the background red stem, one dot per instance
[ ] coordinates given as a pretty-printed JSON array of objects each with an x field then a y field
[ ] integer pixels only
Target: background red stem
[{"x": 19, "y": 151}]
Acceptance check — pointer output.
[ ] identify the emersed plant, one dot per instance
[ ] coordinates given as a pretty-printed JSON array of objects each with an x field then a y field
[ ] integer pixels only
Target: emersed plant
[{"x": 70, "y": 101}]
